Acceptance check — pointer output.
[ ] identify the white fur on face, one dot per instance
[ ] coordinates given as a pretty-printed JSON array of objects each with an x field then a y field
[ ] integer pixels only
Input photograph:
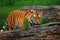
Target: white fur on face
[{"x": 38, "y": 15}]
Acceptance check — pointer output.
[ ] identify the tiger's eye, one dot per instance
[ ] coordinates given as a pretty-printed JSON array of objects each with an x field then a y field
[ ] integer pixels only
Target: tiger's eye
[{"x": 34, "y": 15}]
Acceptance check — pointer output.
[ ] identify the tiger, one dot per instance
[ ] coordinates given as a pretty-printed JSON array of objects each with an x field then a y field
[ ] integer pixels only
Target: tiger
[{"x": 16, "y": 18}]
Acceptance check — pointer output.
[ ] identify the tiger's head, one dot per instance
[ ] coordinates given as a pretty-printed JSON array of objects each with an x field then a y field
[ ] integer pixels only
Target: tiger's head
[{"x": 34, "y": 17}]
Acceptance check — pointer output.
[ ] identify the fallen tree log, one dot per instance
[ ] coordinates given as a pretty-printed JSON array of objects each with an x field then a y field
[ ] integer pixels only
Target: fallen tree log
[{"x": 32, "y": 33}]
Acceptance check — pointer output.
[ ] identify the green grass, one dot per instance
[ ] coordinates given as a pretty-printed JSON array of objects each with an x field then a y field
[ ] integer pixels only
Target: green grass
[
  {"x": 45, "y": 20},
  {"x": 6, "y": 6}
]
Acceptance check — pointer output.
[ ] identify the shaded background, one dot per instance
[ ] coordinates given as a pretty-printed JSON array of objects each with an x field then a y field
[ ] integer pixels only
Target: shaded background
[{"x": 6, "y": 6}]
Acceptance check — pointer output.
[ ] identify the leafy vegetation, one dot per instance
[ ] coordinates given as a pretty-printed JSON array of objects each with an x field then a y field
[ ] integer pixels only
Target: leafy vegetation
[
  {"x": 6, "y": 6},
  {"x": 26, "y": 23},
  {"x": 45, "y": 20}
]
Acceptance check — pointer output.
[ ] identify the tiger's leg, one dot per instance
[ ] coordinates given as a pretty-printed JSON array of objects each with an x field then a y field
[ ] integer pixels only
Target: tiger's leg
[
  {"x": 10, "y": 29},
  {"x": 17, "y": 26}
]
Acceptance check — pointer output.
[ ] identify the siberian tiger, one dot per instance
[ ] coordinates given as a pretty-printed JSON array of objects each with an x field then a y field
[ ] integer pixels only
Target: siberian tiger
[{"x": 17, "y": 17}]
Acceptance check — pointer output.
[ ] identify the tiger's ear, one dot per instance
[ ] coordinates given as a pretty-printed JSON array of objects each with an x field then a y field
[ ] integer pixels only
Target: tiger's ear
[{"x": 32, "y": 11}]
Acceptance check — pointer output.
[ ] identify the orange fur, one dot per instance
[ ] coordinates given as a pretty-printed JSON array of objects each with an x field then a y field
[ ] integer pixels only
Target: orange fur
[{"x": 18, "y": 16}]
